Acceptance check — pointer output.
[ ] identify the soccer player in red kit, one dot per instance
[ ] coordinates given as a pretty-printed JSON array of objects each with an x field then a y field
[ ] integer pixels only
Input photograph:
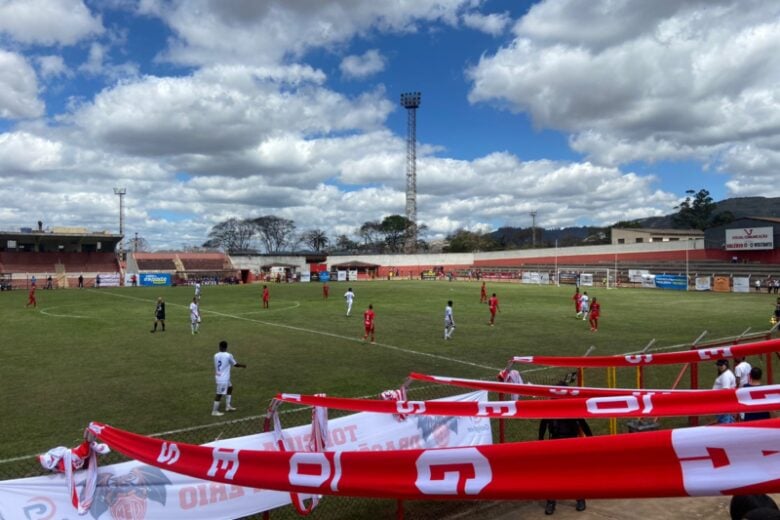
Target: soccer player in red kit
[
  {"x": 266, "y": 296},
  {"x": 483, "y": 294},
  {"x": 577, "y": 301},
  {"x": 595, "y": 312},
  {"x": 31, "y": 297},
  {"x": 325, "y": 290},
  {"x": 368, "y": 323},
  {"x": 493, "y": 306}
]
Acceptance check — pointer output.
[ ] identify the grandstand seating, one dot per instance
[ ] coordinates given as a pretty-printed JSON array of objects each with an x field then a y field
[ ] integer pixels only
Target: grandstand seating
[
  {"x": 203, "y": 264},
  {"x": 156, "y": 264}
]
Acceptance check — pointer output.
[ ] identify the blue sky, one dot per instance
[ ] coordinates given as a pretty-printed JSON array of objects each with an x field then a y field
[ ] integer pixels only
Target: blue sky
[{"x": 585, "y": 112}]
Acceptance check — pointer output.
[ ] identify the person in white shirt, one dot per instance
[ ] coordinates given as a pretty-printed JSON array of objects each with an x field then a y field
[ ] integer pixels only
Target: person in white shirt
[
  {"x": 197, "y": 291},
  {"x": 350, "y": 297},
  {"x": 449, "y": 321},
  {"x": 194, "y": 316},
  {"x": 724, "y": 380},
  {"x": 742, "y": 371},
  {"x": 223, "y": 362}
]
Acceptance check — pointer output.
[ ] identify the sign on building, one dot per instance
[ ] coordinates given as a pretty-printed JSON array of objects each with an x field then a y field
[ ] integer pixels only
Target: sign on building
[{"x": 746, "y": 239}]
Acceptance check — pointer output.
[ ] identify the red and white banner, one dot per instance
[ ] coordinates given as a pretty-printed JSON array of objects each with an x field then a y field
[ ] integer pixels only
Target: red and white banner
[
  {"x": 666, "y": 358},
  {"x": 703, "y": 402},
  {"x": 137, "y": 491},
  {"x": 712, "y": 460},
  {"x": 539, "y": 390}
]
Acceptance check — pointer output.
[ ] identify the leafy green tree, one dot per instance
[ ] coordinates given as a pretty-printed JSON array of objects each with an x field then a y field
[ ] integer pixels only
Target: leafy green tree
[
  {"x": 696, "y": 211},
  {"x": 395, "y": 229},
  {"x": 463, "y": 241}
]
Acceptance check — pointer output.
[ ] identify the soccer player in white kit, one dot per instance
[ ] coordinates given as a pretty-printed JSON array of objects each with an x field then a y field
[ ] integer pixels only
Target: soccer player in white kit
[
  {"x": 197, "y": 290},
  {"x": 194, "y": 316},
  {"x": 223, "y": 362},
  {"x": 349, "y": 296},
  {"x": 449, "y": 321},
  {"x": 585, "y": 305}
]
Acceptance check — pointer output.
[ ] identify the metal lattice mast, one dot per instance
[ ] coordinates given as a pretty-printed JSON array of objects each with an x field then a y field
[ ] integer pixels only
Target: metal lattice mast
[{"x": 411, "y": 101}]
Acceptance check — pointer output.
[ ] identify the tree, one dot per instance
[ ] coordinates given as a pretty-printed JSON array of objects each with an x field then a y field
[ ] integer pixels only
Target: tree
[
  {"x": 344, "y": 243},
  {"x": 275, "y": 233},
  {"x": 695, "y": 212},
  {"x": 232, "y": 235},
  {"x": 370, "y": 233},
  {"x": 395, "y": 229},
  {"x": 316, "y": 239},
  {"x": 463, "y": 241}
]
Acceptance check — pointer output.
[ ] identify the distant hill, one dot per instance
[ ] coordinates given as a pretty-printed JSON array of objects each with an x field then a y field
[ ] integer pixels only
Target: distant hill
[
  {"x": 518, "y": 238},
  {"x": 738, "y": 206}
]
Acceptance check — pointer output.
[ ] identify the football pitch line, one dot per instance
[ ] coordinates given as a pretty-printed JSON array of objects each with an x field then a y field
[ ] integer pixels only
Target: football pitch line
[{"x": 313, "y": 331}]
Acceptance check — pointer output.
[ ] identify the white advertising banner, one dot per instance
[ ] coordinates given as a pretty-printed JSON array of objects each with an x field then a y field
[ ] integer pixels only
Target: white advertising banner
[
  {"x": 305, "y": 276},
  {"x": 635, "y": 275},
  {"x": 740, "y": 284},
  {"x": 108, "y": 279},
  {"x": 586, "y": 279},
  {"x": 703, "y": 283},
  {"x": 135, "y": 491},
  {"x": 745, "y": 239},
  {"x": 648, "y": 281},
  {"x": 531, "y": 277},
  {"x": 341, "y": 276},
  {"x": 353, "y": 275}
]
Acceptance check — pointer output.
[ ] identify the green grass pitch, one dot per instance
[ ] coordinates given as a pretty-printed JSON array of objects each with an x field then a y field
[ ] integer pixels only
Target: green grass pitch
[{"x": 85, "y": 355}]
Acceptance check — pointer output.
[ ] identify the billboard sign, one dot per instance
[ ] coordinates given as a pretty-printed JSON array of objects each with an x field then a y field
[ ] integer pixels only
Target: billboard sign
[
  {"x": 154, "y": 279},
  {"x": 746, "y": 239}
]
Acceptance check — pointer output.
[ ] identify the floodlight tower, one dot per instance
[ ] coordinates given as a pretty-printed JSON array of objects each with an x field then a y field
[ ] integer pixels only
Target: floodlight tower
[
  {"x": 411, "y": 102},
  {"x": 121, "y": 193},
  {"x": 533, "y": 228}
]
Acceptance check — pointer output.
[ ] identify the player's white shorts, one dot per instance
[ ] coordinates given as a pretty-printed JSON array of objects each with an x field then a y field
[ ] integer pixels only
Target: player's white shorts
[{"x": 222, "y": 388}]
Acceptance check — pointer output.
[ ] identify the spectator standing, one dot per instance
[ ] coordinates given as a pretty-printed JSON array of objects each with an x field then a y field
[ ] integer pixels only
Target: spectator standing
[
  {"x": 724, "y": 380},
  {"x": 97, "y": 281},
  {"x": 81, "y": 281},
  {"x": 563, "y": 429},
  {"x": 741, "y": 371},
  {"x": 755, "y": 380}
]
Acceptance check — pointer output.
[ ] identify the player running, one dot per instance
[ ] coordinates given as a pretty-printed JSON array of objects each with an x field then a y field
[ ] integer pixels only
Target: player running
[
  {"x": 368, "y": 323},
  {"x": 449, "y": 321},
  {"x": 223, "y": 362},
  {"x": 31, "y": 297},
  {"x": 577, "y": 301},
  {"x": 483, "y": 294},
  {"x": 584, "y": 306},
  {"x": 493, "y": 306},
  {"x": 349, "y": 296},
  {"x": 595, "y": 312}
]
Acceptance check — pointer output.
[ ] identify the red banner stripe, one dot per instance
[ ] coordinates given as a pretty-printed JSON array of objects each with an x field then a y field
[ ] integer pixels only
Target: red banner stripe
[
  {"x": 665, "y": 358},
  {"x": 538, "y": 390},
  {"x": 704, "y": 402},
  {"x": 711, "y": 460}
]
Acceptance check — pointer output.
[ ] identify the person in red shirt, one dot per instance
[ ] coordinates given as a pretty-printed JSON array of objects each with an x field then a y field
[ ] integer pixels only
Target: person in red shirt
[
  {"x": 266, "y": 296},
  {"x": 595, "y": 312},
  {"x": 483, "y": 294},
  {"x": 493, "y": 306},
  {"x": 577, "y": 301},
  {"x": 31, "y": 297},
  {"x": 368, "y": 323},
  {"x": 325, "y": 290}
]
